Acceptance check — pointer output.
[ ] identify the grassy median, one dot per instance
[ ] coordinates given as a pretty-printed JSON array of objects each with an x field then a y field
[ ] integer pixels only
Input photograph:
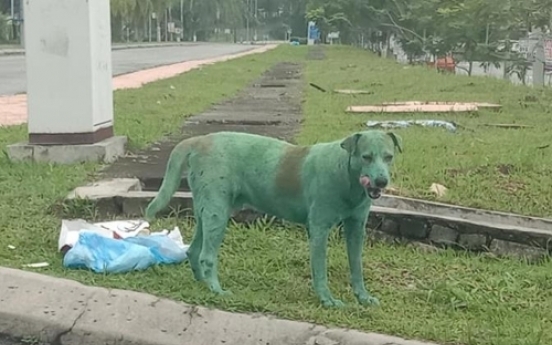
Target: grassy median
[{"x": 444, "y": 296}]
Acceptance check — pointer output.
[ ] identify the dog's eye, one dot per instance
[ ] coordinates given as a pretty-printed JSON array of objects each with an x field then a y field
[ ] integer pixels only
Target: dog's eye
[
  {"x": 367, "y": 157},
  {"x": 388, "y": 158}
]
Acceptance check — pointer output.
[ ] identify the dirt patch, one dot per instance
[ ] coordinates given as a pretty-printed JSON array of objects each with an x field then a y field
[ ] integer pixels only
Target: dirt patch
[
  {"x": 505, "y": 181},
  {"x": 316, "y": 52},
  {"x": 503, "y": 169},
  {"x": 271, "y": 106}
]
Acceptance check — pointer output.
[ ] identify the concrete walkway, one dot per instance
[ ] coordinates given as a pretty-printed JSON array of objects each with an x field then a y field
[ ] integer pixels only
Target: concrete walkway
[
  {"x": 13, "y": 108},
  {"x": 61, "y": 311}
]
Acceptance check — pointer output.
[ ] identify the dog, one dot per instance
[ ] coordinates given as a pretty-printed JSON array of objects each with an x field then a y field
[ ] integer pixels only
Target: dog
[{"x": 319, "y": 186}]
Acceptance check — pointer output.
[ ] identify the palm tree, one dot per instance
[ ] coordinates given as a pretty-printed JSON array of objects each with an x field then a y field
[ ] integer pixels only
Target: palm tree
[{"x": 121, "y": 11}]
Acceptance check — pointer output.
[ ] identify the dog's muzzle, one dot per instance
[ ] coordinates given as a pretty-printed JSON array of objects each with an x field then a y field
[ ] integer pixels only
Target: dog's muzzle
[{"x": 373, "y": 192}]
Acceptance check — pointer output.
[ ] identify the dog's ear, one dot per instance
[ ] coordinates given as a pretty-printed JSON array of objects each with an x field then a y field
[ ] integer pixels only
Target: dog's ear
[
  {"x": 350, "y": 143},
  {"x": 397, "y": 141}
]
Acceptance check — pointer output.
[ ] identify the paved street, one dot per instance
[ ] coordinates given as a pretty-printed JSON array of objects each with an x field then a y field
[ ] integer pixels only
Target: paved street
[{"x": 12, "y": 67}]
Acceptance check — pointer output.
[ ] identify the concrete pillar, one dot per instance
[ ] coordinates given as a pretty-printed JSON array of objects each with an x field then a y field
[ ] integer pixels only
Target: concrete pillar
[{"x": 69, "y": 82}]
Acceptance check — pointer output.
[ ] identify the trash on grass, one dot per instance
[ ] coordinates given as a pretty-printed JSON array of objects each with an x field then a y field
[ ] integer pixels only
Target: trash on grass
[
  {"x": 118, "y": 246},
  {"x": 507, "y": 125},
  {"x": 422, "y": 107},
  {"x": 319, "y": 88},
  {"x": 450, "y": 126},
  {"x": 37, "y": 265},
  {"x": 438, "y": 189},
  {"x": 11, "y": 247},
  {"x": 490, "y": 106},
  {"x": 353, "y": 92},
  {"x": 429, "y": 108},
  {"x": 392, "y": 190}
]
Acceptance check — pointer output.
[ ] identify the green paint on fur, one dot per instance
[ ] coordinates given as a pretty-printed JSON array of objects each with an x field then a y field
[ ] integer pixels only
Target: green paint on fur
[{"x": 318, "y": 186}]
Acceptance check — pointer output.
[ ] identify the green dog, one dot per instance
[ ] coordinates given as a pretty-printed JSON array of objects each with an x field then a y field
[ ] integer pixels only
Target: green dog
[{"x": 319, "y": 186}]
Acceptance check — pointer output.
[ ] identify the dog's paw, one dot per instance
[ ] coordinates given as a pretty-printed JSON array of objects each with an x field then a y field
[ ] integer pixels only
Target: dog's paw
[
  {"x": 332, "y": 303},
  {"x": 367, "y": 300},
  {"x": 198, "y": 274},
  {"x": 219, "y": 291},
  {"x": 225, "y": 293}
]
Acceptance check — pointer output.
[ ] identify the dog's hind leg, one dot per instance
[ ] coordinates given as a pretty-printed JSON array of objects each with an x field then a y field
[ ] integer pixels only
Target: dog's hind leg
[
  {"x": 214, "y": 219},
  {"x": 319, "y": 230},
  {"x": 355, "y": 229},
  {"x": 195, "y": 247}
]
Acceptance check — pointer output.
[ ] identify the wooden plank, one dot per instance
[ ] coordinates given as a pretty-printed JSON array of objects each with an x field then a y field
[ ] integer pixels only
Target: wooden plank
[{"x": 414, "y": 108}]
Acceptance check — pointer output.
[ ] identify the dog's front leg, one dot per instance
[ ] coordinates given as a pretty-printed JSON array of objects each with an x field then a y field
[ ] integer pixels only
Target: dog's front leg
[
  {"x": 355, "y": 233},
  {"x": 318, "y": 243}
]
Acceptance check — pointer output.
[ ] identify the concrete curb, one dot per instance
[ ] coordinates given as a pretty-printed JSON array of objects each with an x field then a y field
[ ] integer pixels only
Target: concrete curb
[
  {"x": 62, "y": 311},
  {"x": 392, "y": 218},
  {"x": 20, "y": 51}
]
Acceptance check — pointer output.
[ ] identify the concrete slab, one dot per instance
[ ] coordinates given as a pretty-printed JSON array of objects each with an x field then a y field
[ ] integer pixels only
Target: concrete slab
[
  {"x": 273, "y": 111},
  {"x": 61, "y": 311},
  {"x": 106, "y": 151},
  {"x": 105, "y": 188},
  {"x": 423, "y": 107},
  {"x": 409, "y": 219}
]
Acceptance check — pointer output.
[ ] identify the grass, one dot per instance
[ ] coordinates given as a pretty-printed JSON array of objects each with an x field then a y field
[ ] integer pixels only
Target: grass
[
  {"x": 484, "y": 167},
  {"x": 445, "y": 296}
]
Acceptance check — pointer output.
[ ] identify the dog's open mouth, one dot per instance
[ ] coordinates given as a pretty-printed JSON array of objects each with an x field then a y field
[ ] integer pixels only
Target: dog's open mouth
[{"x": 373, "y": 193}]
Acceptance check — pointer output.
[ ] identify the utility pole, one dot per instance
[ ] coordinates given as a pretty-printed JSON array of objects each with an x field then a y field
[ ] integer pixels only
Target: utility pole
[
  {"x": 182, "y": 20},
  {"x": 12, "y": 9},
  {"x": 21, "y": 25},
  {"x": 248, "y": 12},
  {"x": 158, "y": 27},
  {"x": 539, "y": 60},
  {"x": 167, "y": 24},
  {"x": 192, "y": 21},
  {"x": 256, "y": 22},
  {"x": 149, "y": 26}
]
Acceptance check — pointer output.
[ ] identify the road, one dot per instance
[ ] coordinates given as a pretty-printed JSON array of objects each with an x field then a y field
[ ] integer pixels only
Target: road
[{"x": 12, "y": 67}]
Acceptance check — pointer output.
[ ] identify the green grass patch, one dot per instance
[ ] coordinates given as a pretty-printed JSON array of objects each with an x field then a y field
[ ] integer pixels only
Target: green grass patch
[
  {"x": 144, "y": 115},
  {"x": 446, "y": 296},
  {"x": 484, "y": 167}
]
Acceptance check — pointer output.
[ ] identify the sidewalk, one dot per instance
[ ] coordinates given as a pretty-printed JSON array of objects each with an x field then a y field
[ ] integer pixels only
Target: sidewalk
[
  {"x": 62, "y": 311},
  {"x": 14, "y": 107}
]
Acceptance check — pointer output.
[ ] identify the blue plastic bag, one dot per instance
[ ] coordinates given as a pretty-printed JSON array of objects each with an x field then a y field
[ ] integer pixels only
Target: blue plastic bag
[{"x": 107, "y": 255}]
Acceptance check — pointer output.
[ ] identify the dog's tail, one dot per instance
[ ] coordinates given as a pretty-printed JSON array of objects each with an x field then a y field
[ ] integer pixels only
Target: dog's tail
[{"x": 178, "y": 161}]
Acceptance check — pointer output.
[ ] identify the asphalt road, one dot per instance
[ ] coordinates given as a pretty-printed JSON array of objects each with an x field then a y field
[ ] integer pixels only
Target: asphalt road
[{"x": 12, "y": 67}]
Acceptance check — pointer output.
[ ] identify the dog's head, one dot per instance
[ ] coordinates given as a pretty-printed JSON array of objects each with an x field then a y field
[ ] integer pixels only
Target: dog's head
[{"x": 372, "y": 154}]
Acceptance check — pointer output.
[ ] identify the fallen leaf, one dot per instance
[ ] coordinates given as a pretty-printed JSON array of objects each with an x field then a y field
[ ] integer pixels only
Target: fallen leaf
[
  {"x": 392, "y": 190},
  {"x": 438, "y": 189}
]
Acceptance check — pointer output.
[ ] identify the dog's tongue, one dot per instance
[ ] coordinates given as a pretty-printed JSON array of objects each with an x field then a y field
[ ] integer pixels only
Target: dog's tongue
[{"x": 364, "y": 181}]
